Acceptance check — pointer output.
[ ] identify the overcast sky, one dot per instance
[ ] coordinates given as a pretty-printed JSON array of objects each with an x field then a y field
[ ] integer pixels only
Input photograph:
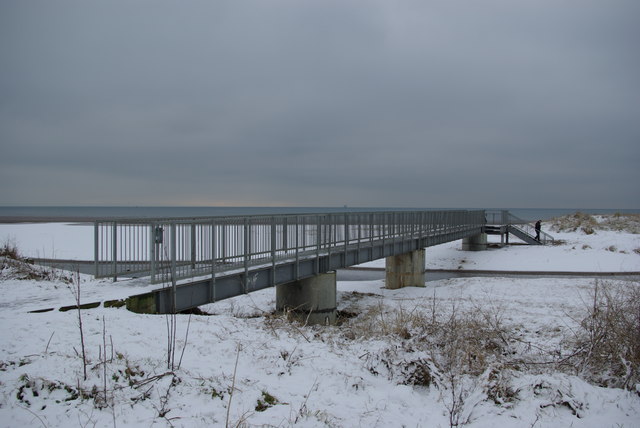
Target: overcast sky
[{"x": 451, "y": 103}]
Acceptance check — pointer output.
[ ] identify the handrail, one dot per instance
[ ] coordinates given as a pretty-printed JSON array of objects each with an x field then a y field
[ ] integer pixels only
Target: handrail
[
  {"x": 505, "y": 218},
  {"x": 529, "y": 229},
  {"x": 186, "y": 248},
  {"x": 502, "y": 217}
]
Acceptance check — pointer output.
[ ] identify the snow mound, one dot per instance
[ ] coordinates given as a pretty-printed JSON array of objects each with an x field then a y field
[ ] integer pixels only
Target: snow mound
[
  {"x": 19, "y": 269},
  {"x": 589, "y": 224}
]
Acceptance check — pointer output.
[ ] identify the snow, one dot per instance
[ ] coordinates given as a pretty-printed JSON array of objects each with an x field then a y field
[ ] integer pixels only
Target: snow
[
  {"x": 604, "y": 251},
  {"x": 340, "y": 376},
  {"x": 66, "y": 241}
]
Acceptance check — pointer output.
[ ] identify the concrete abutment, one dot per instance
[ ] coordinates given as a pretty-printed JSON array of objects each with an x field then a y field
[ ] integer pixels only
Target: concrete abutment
[
  {"x": 475, "y": 243},
  {"x": 311, "y": 300},
  {"x": 405, "y": 270}
]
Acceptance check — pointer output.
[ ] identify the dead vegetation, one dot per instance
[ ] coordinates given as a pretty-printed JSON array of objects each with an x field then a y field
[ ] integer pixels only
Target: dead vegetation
[
  {"x": 14, "y": 266},
  {"x": 11, "y": 268},
  {"x": 466, "y": 350},
  {"x": 589, "y": 224},
  {"x": 455, "y": 349},
  {"x": 606, "y": 348},
  {"x": 9, "y": 250}
]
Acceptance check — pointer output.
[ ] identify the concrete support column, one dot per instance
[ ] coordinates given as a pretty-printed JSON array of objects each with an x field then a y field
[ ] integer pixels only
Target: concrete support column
[
  {"x": 405, "y": 270},
  {"x": 475, "y": 243},
  {"x": 311, "y": 300}
]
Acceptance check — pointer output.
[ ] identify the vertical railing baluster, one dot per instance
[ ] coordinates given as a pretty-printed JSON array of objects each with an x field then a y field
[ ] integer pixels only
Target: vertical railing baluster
[
  {"x": 346, "y": 238},
  {"x": 359, "y": 225},
  {"x": 329, "y": 244},
  {"x": 246, "y": 255},
  {"x": 273, "y": 251},
  {"x": 96, "y": 251},
  {"x": 297, "y": 247},
  {"x": 193, "y": 246},
  {"x": 212, "y": 292},
  {"x": 173, "y": 268},
  {"x": 152, "y": 251},
  {"x": 318, "y": 232},
  {"x": 115, "y": 250}
]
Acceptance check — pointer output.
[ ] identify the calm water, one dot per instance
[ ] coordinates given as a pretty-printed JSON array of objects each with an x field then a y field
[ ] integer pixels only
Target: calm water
[{"x": 171, "y": 212}]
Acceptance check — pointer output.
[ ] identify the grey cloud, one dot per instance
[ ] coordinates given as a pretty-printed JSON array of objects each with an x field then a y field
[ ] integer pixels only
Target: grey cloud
[{"x": 405, "y": 103}]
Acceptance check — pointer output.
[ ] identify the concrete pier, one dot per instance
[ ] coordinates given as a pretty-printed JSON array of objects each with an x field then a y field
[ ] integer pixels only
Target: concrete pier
[
  {"x": 311, "y": 300},
  {"x": 405, "y": 270},
  {"x": 475, "y": 243}
]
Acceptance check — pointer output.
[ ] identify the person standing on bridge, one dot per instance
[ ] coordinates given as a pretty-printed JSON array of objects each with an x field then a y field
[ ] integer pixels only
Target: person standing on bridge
[{"x": 538, "y": 230}]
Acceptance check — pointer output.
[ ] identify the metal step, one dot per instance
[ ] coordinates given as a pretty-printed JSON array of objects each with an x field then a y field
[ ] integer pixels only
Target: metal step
[{"x": 523, "y": 235}]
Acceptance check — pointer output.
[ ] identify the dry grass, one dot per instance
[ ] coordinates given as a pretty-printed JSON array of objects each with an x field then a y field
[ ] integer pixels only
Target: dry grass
[
  {"x": 452, "y": 348},
  {"x": 461, "y": 349},
  {"x": 607, "y": 345},
  {"x": 10, "y": 251},
  {"x": 13, "y": 266},
  {"x": 431, "y": 343},
  {"x": 589, "y": 224},
  {"x": 464, "y": 340},
  {"x": 574, "y": 222}
]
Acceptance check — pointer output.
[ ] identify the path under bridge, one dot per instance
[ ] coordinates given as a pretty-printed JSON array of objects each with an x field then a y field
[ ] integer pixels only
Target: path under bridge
[{"x": 202, "y": 260}]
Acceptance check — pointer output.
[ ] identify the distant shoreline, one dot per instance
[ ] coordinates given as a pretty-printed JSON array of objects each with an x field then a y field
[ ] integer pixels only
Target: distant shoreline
[
  {"x": 83, "y": 217},
  {"x": 45, "y": 219}
]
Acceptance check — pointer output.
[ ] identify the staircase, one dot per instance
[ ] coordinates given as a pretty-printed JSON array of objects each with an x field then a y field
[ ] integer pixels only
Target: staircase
[
  {"x": 504, "y": 223},
  {"x": 522, "y": 234}
]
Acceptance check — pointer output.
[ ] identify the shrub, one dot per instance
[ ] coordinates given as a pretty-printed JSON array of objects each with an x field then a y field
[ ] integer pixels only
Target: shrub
[
  {"x": 11, "y": 268},
  {"x": 433, "y": 345},
  {"x": 577, "y": 221},
  {"x": 607, "y": 345},
  {"x": 588, "y": 224}
]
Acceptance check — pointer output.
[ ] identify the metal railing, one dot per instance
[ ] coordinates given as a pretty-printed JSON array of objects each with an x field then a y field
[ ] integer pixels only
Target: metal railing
[
  {"x": 507, "y": 219},
  {"x": 185, "y": 248},
  {"x": 497, "y": 217}
]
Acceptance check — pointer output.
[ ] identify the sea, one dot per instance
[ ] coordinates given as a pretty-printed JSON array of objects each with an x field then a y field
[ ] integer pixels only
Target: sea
[{"x": 70, "y": 213}]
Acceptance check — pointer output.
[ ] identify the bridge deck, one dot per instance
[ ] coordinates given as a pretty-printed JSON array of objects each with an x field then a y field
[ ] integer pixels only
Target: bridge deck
[{"x": 199, "y": 261}]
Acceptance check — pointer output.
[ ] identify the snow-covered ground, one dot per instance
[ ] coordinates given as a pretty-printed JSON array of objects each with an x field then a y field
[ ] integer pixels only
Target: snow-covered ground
[
  {"x": 50, "y": 240},
  {"x": 244, "y": 366}
]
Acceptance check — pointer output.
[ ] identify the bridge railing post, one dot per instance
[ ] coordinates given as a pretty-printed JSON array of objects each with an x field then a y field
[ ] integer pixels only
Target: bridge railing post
[
  {"x": 273, "y": 250},
  {"x": 96, "y": 248},
  {"x": 114, "y": 249},
  {"x": 246, "y": 251},
  {"x": 152, "y": 250},
  {"x": 297, "y": 225},
  {"x": 173, "y": 266},
  {"x": 214, "y": 255},
  {"x": 346, "y": 233},
  {"x": 193, "y": 245}
]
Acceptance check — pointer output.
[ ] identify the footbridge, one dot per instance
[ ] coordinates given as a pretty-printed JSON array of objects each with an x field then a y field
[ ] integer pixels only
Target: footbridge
[{"x": 198, "y": 261}]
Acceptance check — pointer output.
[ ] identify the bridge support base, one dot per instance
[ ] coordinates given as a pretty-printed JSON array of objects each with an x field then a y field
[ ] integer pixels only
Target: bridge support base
[
  {"x": 311, "y": 300},
  {"x": 142, "y": 303},
  {"x": 475, "y": 243},
  {"x": 405, "y": 270}
]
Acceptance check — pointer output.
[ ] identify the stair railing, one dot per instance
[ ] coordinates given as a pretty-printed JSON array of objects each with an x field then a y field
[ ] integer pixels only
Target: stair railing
[{"x": 529, "y": 229}]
